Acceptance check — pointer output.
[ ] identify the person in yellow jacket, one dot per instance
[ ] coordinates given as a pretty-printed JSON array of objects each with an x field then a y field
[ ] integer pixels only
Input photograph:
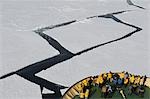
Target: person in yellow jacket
[
  {"x": 105, "y": 76},
  {"x": 82, "y": 95},
  {"x": 142, "y": 80},
  {"x": 85, "y": 82},
  {"x": 121, "y": 75},
  {"x": 137, "y": 80},
  {"x": 80, "y": 87},
  {"x": 87, "y": 93},
  {"x": 109, "y": 76},
  {"x": 100, "y": 80},
  {"x": 131, "y": 79},
  {"x": 126, "y": 81}
]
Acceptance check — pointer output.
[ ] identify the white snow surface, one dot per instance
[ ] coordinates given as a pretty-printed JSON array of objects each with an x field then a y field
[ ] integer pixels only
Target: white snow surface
[{"x": 21, "y": 47}]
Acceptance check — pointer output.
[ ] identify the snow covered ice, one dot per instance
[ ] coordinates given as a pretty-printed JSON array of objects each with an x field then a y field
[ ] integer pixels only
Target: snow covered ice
[{"x": 20, "y": 46}]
